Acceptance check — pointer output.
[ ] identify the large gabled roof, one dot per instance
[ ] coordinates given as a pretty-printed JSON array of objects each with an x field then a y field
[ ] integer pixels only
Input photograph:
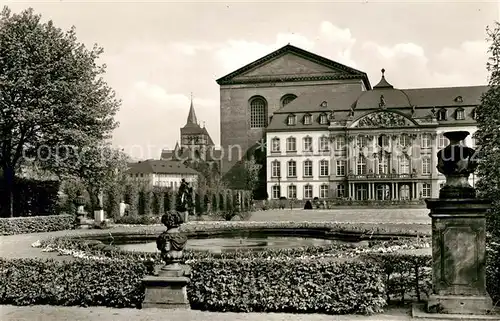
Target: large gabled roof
[{"x": 346, "y": 71}]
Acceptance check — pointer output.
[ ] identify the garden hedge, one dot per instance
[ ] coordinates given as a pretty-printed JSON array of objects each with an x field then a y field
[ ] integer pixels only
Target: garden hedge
[
  {"x": 287, "y": 285},
  {"x": 36, "y": 224}
]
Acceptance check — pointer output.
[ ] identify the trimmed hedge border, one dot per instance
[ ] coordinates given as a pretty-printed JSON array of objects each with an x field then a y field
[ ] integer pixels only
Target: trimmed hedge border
[{"x": 36, "y": 224}]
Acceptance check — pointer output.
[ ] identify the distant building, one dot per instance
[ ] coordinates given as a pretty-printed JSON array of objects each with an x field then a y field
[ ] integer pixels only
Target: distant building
[
  {"x": 325, "y": 132},
  {"x": 162, "y": 173},
  {"x": 196, "y": 143},
  {"x": 379, "y": 144}
]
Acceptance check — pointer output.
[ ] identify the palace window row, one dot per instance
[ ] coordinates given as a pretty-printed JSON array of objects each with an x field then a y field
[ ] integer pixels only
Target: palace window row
[
  {"x": 292, "y": 191},
  {"x": 442, "y": 114},
  {"x": 308, "y": 119},
  {"x": 324, "y": 168},
  {"x": 307, "y": 144},
  {"x": 258, "y": 109}
]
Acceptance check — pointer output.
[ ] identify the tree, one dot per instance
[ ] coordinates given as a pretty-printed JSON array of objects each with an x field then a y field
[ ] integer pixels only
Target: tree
[
  {"x": 100, "y": 168},
  {"x": 488, "y": 133},
  {"x": 53, "y": 100},
  {"x": 251, "y": 172}
]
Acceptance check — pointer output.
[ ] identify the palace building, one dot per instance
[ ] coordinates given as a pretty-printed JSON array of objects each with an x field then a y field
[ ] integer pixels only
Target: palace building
[{"x": 329, "y": 134}]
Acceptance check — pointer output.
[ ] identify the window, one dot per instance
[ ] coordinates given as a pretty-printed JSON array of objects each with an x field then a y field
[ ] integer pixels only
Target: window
[
  {"x": 383, "y": 165},
  {"x": 361, "y": 165},
  {"x": 276, "y": 192},
  {"x": 341, "y": 167},
  {"x": 323, "y": 168},
  {"x": 287, "y": 99},
  {"x": 425, "y": 141},
  {"x": 291, "y": 144},
  {"x": 323, "y": 119},
  {"x": 340, "y": 143},
  {"x": 404, "y": 140},
  {"x": 258, "y": 114},
  {"x": 426, "y": 166},
  {"x": 323, "y": 191},
  {"x": 276, "y": 169},
  {"x": 383, "y": 141},
  {"x": 426, "y": 190},
  {"x": 340, "y": 190},
  {"x": 362, "y": 141},
  {"x": 292, "y": 169},
  {"x": 361, "y": 192},
  {"x": 460, "y": 114},
  {"x": 443, "y": 141},
  {"x": 308, "y": 168},
  {"x": 308, "y": 191},
  {"x": 275, "y": 145},
  {"x": 404, "y": 165},
  {"x": 307, "y": 119},
  {"x": 291, "y": 120},
  {"x": 442, "y": 114},
  {"x": 323, "y": 144},
  {"x": 292, "y": 191},
  {"x": 308, "y": 142},
  {"x": 324, "y": 104},
  {"x": 474, "y": 114}
]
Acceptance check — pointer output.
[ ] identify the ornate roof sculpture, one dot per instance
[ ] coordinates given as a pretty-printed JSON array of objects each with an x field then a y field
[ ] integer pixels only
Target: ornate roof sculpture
[{"x": 383, "y": 119}]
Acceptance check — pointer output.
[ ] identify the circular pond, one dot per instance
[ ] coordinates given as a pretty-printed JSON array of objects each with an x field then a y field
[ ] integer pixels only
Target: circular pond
[{"x": 233, "y": 243}]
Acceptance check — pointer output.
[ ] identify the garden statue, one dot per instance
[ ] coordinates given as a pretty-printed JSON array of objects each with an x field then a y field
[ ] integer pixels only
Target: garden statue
[
  {"x": 185, "y": 200},
  {"x": 80, "y": 210},
  {"x": 168, "y": 287},
  {"x": 171, "y": 243}
]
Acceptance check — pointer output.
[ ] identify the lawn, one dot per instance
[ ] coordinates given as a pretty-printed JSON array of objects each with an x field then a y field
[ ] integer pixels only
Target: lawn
[{"x": 407, "y": 216}]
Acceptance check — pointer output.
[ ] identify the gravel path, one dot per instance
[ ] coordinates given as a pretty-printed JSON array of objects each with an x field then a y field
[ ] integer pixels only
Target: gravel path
[{"x": 49, "y": 313}]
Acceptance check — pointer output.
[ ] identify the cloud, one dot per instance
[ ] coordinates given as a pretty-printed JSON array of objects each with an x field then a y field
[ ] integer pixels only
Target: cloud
[
  {"x": 337, "y": 43},
  {"x": 234, "y": 54},
  {"x": 159, "y": 95}
]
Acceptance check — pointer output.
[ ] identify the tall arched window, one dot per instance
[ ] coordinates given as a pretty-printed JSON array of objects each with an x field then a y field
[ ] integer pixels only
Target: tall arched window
[
  {"x": 258, "y": 112},
  {"x": 287, "y": 99}
]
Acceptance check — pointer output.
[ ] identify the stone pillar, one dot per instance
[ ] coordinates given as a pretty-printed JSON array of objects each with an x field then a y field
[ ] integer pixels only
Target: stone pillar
[{"x": 458, "y": 237}]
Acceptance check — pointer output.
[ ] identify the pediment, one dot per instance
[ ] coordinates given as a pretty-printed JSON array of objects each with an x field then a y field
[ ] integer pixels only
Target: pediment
[
  {"x": 287, "y": 65},
  {"x": 383, "y": 119}
]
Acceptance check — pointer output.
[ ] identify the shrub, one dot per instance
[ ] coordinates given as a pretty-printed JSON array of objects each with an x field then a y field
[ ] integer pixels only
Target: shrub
[
  {"x": 286, "y": 285},
  {"x": 36, "y": 224},
  {"x": 77, "y": 282}
]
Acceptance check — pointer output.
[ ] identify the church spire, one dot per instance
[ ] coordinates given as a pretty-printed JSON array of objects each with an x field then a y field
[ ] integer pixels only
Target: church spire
[{"x": 192, "y": 115}]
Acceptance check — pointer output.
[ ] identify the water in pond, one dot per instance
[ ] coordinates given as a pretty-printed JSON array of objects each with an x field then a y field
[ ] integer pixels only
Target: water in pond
[{"x": 218, "y": 245}]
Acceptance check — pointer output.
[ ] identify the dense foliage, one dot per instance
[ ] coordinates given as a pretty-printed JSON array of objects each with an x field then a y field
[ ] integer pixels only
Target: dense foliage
[
  {"x": 488, "y": 138},
  {"x": 286, "y": 285},
  {"x": 54, "y": 102},
  {"x": 78, "y": 282},
  {"x": 36, "y": 224},
  {"x": 32, "y": 197}
]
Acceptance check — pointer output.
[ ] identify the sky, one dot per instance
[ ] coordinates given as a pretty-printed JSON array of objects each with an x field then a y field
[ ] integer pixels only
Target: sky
[{"x": 157, "y": 53}]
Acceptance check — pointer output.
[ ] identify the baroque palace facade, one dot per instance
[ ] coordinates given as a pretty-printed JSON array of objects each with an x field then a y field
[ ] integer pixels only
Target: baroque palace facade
[{"x": 329, "y": 134}]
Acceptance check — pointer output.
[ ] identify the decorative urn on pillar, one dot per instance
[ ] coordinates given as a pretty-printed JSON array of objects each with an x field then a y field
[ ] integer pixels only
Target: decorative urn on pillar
[
  {"x": 458, "y": 237},
  {"x": 167, "y": 289}
]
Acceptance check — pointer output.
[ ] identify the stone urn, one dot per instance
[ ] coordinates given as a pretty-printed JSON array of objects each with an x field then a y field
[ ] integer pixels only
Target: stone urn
[
  {"x": 79, "y": 203},
  {"x": 456, "y": 162},
  {"x": 172, "y": 242}
]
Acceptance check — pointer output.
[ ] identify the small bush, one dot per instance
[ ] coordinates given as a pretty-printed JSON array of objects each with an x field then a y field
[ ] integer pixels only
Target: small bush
[
  {"x": 286, "y": 285},
  {"x": 78, "y": 282},
  {"x": 36, "y": 224}
]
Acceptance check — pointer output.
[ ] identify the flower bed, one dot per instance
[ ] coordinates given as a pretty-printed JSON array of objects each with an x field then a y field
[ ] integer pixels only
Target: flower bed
[{"x": 36, "y": 224}]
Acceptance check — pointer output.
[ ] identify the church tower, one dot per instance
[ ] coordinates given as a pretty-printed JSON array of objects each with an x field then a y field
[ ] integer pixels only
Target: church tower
[{"x": 193, "y": 136}]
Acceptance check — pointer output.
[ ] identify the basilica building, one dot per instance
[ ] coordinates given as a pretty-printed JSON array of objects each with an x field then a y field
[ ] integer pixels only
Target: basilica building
[{"x": 328, "y": 133}]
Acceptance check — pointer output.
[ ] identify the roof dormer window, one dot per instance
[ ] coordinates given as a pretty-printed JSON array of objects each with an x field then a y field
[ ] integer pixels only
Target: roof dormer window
[
  {"x": 323, "y": 119},
  {"x": 442, "y": 114},
  {"x": 324, "y": 104},
  {"x": 459, "y": 99},
  {"x": 307, "y": 119},
  {"x": 460, "y": 114},
  {"x": 291, "y": 120}
]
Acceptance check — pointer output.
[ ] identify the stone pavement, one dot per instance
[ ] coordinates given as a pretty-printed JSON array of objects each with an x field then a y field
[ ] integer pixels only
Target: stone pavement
[{"x": 50, "y": 313}]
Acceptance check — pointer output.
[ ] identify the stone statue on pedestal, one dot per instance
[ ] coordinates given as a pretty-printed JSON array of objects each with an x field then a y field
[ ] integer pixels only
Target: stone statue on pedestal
[{"x": 172, "y": 242}]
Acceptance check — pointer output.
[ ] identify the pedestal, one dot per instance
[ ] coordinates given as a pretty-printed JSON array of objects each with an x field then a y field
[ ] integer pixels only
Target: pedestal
[
  {"x": 167, "y": 290},
  {"x": 459, "y": 257},
  {"x": 98, "y": 216}
]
